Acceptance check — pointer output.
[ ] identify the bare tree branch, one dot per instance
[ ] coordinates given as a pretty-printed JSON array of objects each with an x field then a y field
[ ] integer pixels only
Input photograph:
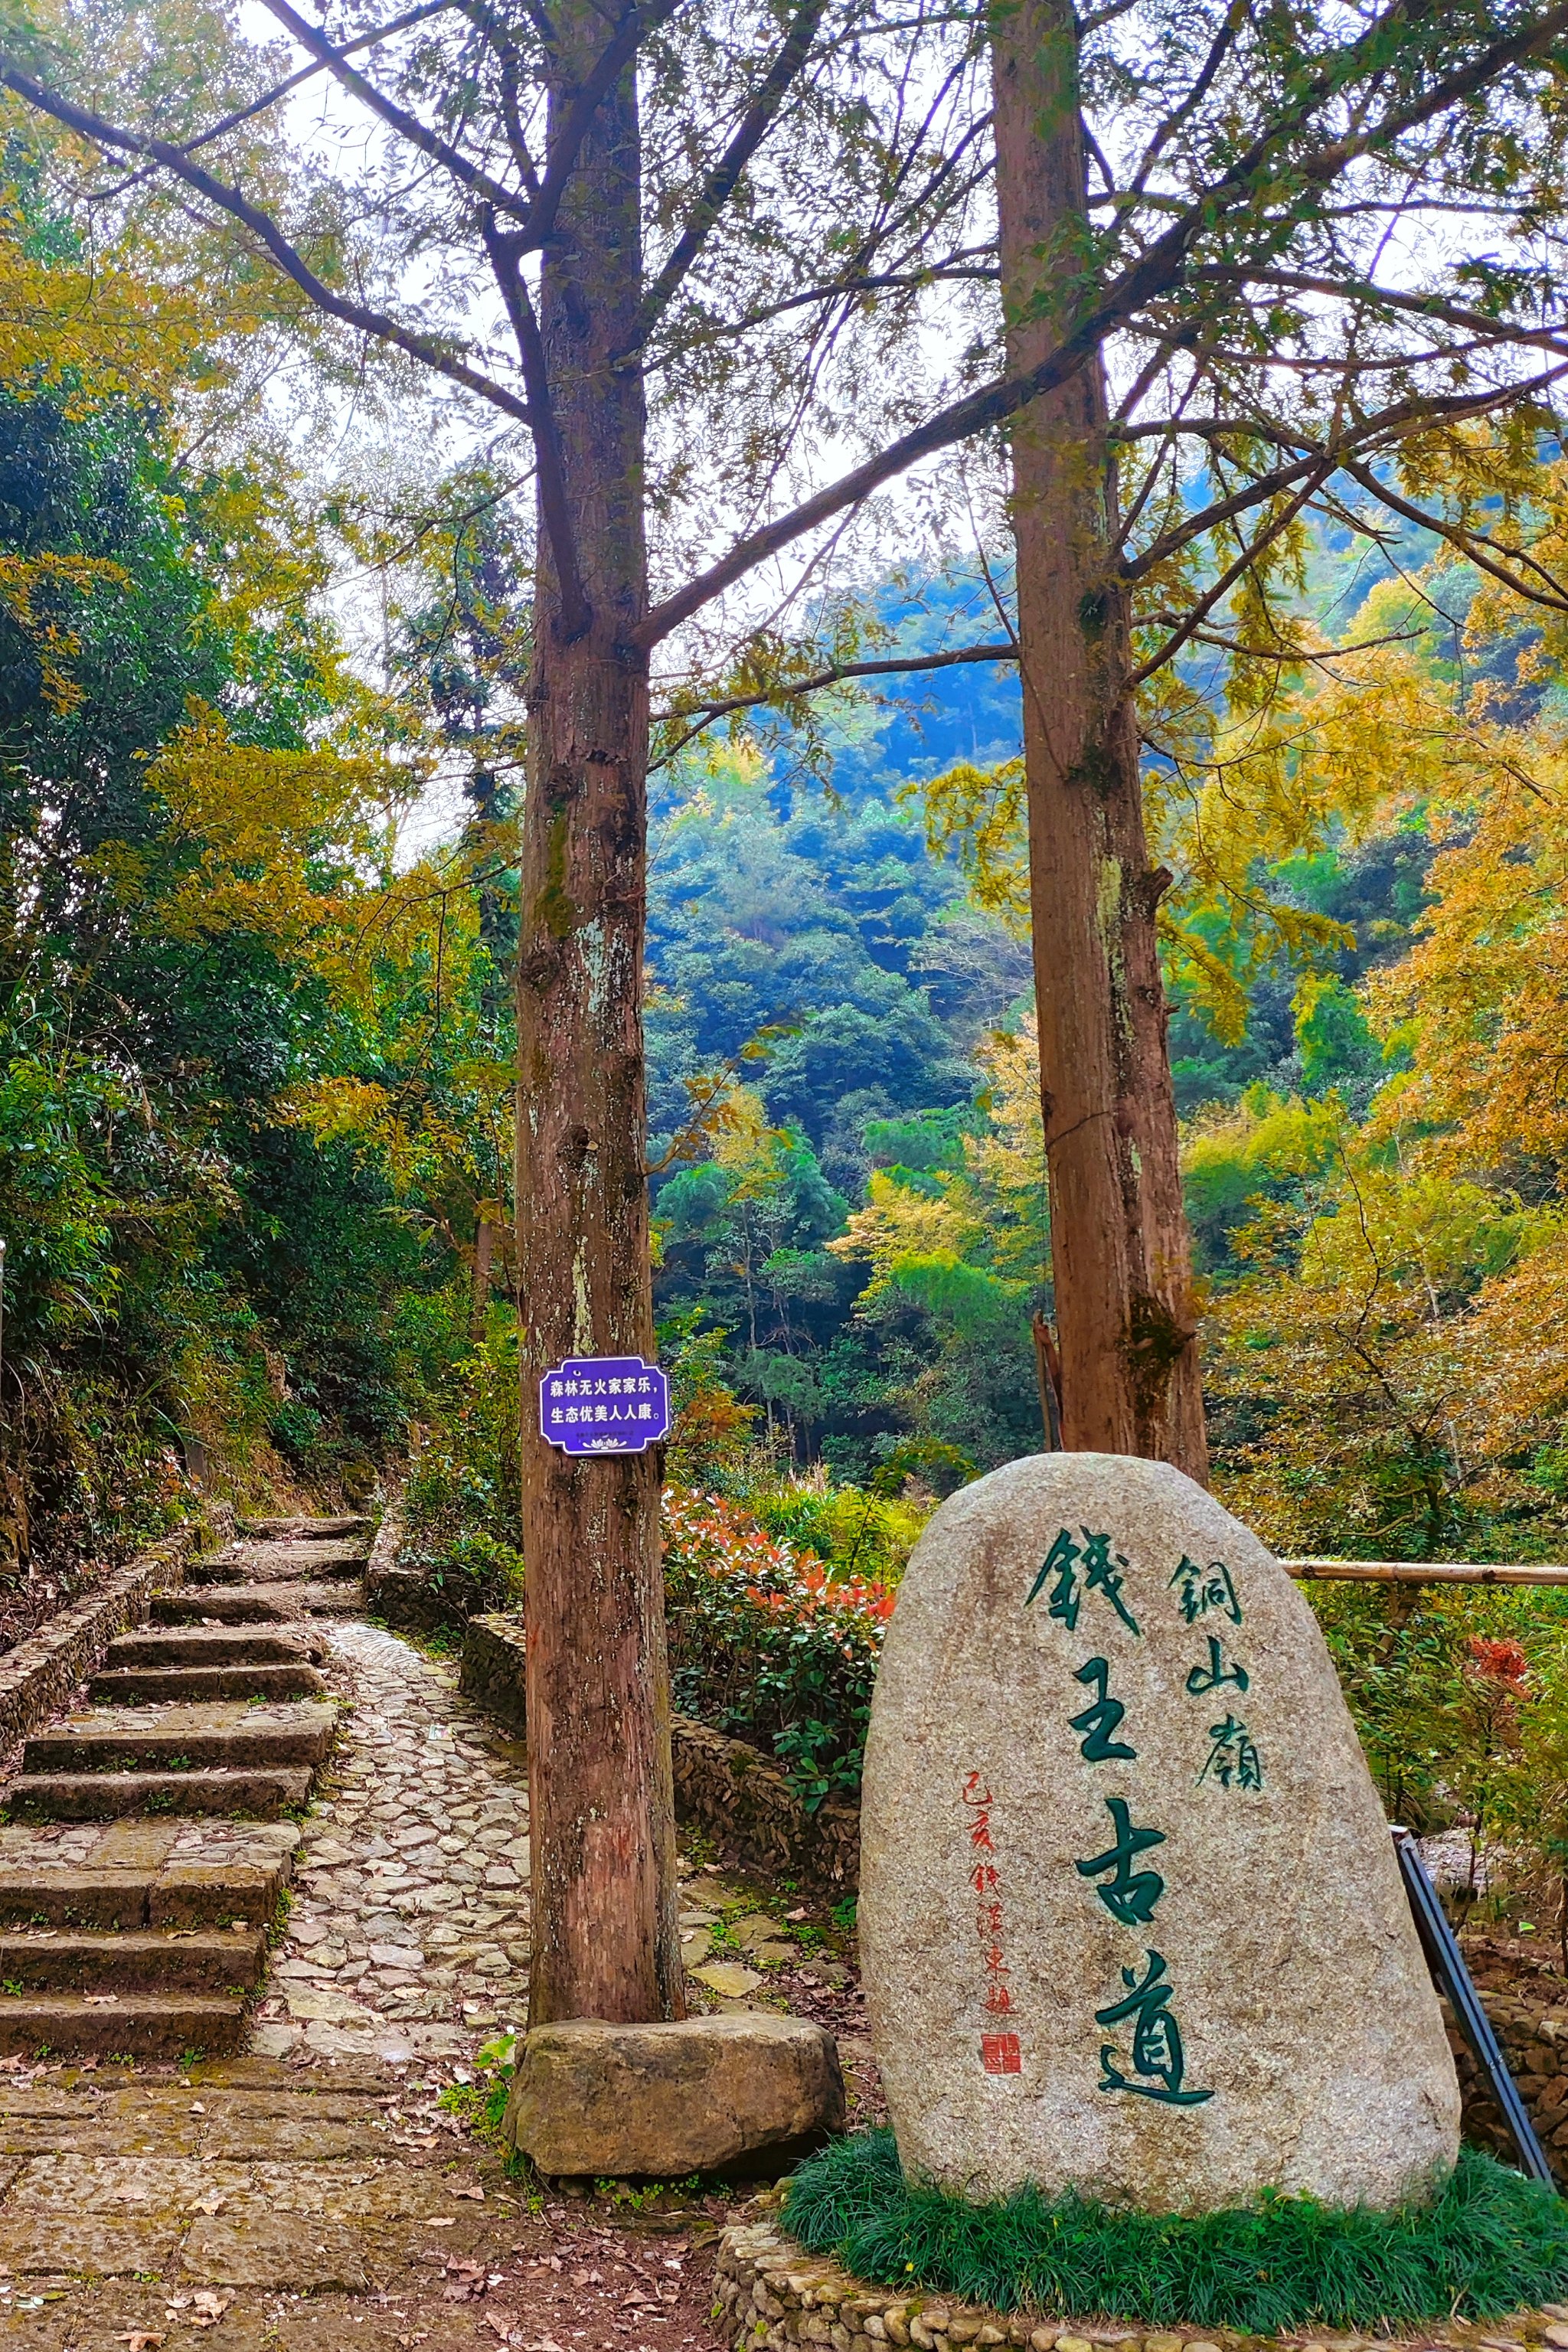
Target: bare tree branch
[
  {"x": 306, "y": 73},
  {"x": 1475, "y": 546},
  {"x": 290, "y": 260},
  {"x": 1221, "y": 588},
  {"x": 1427, "y": 306},
  {"x": 704, "y": 714},
  {"x": 956, "y": 269},
  {"x": 1154, "y": 272},
  {"x": 1387, "y": 425},
  {"x": 408, "y": 126},
  {"x": 752, "y": 129},
  {"x": 1236, "y": 15}
]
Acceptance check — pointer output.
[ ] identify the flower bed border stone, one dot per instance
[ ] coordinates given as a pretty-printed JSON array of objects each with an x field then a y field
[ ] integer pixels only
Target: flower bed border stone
[{"x": 772, "y": 2295}]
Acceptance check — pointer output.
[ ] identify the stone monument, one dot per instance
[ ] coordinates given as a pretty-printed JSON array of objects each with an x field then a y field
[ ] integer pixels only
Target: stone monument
[{"x": 1131, "y": 1919}]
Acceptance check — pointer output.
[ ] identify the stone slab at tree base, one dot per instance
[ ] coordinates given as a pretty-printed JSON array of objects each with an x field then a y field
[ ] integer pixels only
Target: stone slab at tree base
[
  {"x": 746, "y": 2095},
  {"x": 771, "y": 2295}
]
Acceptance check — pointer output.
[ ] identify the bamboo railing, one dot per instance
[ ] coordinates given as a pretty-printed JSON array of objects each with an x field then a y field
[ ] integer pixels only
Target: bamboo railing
[{"x": 1421, "y": 1571}]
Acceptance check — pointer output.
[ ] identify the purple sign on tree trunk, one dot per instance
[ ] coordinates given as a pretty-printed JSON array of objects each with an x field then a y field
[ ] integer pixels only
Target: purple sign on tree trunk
[{"x": 604, "y": 1404}]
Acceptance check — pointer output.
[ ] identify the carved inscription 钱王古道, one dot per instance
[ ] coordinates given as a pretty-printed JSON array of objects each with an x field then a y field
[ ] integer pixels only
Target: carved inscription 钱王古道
[{"x": 1084, "y": 1575}]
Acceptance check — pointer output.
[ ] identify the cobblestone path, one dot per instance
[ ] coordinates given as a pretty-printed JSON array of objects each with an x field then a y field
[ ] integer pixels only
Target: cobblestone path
[
  {"x": 408, "y": 1935},
  {"x": 324, "y": 2189}
]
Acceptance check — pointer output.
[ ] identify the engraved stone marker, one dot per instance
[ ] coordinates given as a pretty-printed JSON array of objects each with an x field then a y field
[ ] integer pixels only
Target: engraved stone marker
[{"x": 1130, "y": 1916}]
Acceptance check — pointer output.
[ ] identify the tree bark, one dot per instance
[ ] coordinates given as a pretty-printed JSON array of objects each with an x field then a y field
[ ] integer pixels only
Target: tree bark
[
  {"x": 484, "y": 1252},
  {"x": 606, "y": 1941},
  {"x": 1119, "y": 1251}
]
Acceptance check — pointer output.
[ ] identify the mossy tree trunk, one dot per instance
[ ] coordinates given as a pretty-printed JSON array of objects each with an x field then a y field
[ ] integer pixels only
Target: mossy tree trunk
[
  {"x": 606, "y": 1941},
  {"x": 1120, "y": 1250}
]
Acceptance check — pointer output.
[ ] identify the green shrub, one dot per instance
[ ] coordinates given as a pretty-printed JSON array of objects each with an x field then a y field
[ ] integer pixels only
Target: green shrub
[
  {"x": 462, "y": 1504},
  {"x": 764, "y": 1644},
  {"x": 1487, "y": 2242},
  {"x": 849, "y": 1530}
]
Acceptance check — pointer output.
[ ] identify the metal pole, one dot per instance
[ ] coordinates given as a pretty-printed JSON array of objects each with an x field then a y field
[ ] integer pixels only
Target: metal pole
[{"x": 1451, "y": 1976}]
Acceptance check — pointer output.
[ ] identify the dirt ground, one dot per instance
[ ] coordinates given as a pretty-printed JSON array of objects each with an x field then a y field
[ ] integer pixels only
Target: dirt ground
[
  {"x": 307, "y": 2203},
  {"x": 257, "y": 2204}
]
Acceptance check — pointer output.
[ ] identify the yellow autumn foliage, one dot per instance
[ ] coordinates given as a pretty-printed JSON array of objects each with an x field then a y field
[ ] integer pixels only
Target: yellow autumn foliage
[{"x": 990, "y": 1210}]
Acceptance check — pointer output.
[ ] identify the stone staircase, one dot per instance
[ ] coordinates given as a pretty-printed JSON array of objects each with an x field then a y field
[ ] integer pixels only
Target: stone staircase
[{"x": 147, "y": 1835}]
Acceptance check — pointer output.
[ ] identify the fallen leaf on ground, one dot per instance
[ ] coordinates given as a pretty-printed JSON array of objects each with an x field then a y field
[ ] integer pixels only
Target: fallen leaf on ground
[
  {"x": 103, "y": 1999},
  {"x": 138, "y": 2340},
  {"x": 213, "y": 2202},
  {"x": 478, "y": 2194}
]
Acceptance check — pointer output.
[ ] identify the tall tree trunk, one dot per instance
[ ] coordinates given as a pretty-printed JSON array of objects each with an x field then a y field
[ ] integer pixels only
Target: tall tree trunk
[
  {"x": 1119, "y": 1251},
  {"x": 484, "y": 1252},
  {"x": 606, "y": 1942}
]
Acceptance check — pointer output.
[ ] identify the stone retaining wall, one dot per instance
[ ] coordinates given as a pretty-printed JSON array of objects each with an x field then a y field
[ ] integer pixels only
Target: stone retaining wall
[
  {"x": 745, "y": 1803},
  {"x": 730, "y": 1790},
  {"x": 1533, "y": 2029},
  {"x": 411, "y": 1600},
  {"x": 492, "y": 1671},
  {"x": 38, "y": 1677},
  {"x": 426, "y": 1600}
]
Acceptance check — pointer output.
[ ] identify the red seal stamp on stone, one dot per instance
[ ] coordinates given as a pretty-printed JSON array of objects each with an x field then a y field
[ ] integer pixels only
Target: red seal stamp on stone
[{"x": 1000, "y": 2053}]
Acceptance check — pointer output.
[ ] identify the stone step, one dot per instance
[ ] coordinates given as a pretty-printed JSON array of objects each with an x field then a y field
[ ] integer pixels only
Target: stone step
[
  {"x": 257, "y": 1604},
  {"x": 219, "y": 1960},
  {"x": 138, "y": 2025},
  {"x": 102, "y": 1899},
  {"x": 214, "y": 1645},
  {"x": 280, "y": 1564},
  {"x": 254, "y": 1793},
  {"x": 150, "y": 1685},
  {"x": 349, "y": 1526},
  {"x": 217, "y": 1608},
  {"x": 185, "y": 1896},
  {"x": 177, "y": 1738}
]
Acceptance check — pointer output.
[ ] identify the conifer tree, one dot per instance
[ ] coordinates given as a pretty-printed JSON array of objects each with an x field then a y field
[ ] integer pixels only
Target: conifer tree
[{"x": 809, "y": 184}]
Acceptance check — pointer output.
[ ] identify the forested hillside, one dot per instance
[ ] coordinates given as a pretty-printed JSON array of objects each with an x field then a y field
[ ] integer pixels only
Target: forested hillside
[
  {"x": 868, "y": 1231},
  {"x": 258, "y": 1038}
]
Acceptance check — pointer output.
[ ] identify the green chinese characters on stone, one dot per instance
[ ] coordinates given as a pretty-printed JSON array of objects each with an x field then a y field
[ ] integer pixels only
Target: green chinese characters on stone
[
  {"x": 1201, "y": 1590},
  {"x": 1233, "y": 1760},
  {"x": 1101, "y": 1720},
  {"x": 1129, "y": 1894},
  {"x": 1205, "y": 1679},
  {"x": 1080, "y": 1568},
  {"x": 1158, "y": 2062}
]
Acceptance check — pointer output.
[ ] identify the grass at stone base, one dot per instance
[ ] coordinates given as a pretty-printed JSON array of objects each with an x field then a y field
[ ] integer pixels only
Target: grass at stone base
[{"x": 1487, "y": 2242}]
